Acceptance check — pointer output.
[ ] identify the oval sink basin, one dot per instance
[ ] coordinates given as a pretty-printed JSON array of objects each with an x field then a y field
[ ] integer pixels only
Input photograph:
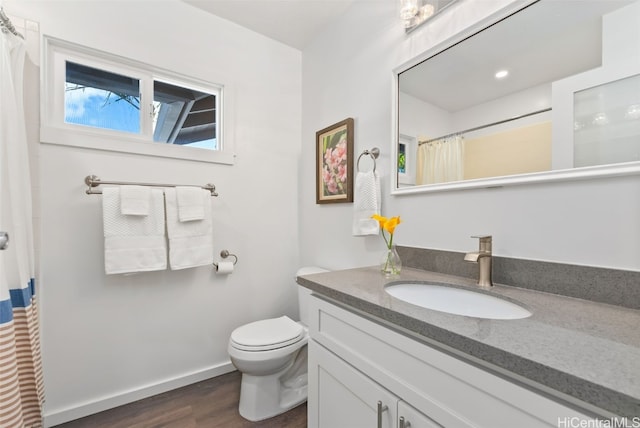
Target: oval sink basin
[{"x": 456, "y": 301}]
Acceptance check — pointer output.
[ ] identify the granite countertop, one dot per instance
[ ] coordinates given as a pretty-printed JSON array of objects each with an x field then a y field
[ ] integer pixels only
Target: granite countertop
[{"x": 579, "y": 349}]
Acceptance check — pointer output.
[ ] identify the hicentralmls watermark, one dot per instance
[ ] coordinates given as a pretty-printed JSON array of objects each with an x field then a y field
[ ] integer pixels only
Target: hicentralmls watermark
[{"x": 615, "y": 422}]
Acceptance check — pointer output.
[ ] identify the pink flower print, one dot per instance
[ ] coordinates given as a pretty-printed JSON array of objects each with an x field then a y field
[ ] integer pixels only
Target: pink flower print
[
  {"x": 327, "y": 154},
  {"x": 326, "y": 174},
  {"x": 342, "y": 173},
  {"x": 334, "y": 169},
  {"x": 332, "y": 186},
  {"x": 340, "y": 152}
]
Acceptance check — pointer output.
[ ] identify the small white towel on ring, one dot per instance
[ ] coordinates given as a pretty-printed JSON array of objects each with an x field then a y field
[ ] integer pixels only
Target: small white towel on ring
[
  {"x": 190, "y": 203},
  {"x": 134, "y": 200},
  {"x": 133, "y": 243},
  {"x": 190, "y": 242},
  {"x": 367, "y": 201}
]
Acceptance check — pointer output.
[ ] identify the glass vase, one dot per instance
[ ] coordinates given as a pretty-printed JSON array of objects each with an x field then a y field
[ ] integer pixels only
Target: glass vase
[{"x": 391, "y": 265}]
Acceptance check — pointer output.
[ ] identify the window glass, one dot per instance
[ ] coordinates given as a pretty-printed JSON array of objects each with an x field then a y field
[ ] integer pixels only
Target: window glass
[
  {"x": 402, "y": 158},
  {"x": 101, "y": 99},
  {"x": 184, "y": 116},
  {"x": 607, "y": 123}
]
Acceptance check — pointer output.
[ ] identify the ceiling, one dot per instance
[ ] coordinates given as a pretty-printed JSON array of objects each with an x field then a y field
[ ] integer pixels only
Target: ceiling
[{"x": 292, "y": 22}]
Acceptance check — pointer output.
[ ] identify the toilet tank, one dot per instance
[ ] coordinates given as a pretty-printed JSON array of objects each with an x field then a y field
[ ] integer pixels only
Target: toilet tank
[{"x": 304, "y": 293}]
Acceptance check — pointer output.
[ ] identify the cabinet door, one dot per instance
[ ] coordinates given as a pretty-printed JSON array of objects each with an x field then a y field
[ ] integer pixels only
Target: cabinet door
[
  {"x": 341, "y": 396},
  {"x": 408, "y": 417}
]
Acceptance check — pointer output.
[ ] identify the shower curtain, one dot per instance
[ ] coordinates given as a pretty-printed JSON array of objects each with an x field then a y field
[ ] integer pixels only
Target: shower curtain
[
  {"x": 440, "y": 161},
  {"x": 21, "y": 386}
]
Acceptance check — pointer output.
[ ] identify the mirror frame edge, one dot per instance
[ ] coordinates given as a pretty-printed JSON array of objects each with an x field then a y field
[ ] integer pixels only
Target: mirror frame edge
[
  {"x": 592, "y": 172},
  {"x": 603, "y": 171}
]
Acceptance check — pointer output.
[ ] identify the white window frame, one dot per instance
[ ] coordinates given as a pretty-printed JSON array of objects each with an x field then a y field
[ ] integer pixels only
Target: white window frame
[{"x": 54, "y": 129}]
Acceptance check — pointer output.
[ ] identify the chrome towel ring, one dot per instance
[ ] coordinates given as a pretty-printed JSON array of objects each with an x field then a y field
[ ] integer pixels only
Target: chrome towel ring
[{"x": 374, "y": 153}]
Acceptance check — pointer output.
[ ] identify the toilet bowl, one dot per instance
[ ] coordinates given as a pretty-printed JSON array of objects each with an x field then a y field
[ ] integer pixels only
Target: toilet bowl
[{"x": 271, "y": 354}]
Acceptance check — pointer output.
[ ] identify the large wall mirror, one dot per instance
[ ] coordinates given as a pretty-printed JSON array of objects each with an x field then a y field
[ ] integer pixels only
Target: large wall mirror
[{"x": 545, "y": 92}]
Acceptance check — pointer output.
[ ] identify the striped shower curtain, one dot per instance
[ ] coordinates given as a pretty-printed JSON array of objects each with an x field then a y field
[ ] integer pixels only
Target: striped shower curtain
[{"x": 21, "y": 390}]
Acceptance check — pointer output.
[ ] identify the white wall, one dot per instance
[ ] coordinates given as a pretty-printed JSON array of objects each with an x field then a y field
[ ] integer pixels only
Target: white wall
[
  {"x": 527, "y": 101},
  {"x": 590, "y": 222},
  {"x": 420, "y": 118},
  {"x": 110, "y": 339}
]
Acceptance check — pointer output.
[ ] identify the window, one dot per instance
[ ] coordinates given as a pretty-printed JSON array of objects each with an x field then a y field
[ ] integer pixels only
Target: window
[
  {"x": 101, "y": 99},
  {"x": 95, "y": 100},
  {"x": 184, "y": 116},
  {"x": 407, "y": 149}
]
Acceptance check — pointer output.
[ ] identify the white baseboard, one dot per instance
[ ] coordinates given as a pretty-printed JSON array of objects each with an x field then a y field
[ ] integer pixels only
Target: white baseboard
[{"x": 59, "y": 416}]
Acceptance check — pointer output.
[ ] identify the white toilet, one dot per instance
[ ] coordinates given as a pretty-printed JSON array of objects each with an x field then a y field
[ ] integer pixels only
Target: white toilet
[{"x": 272, "y": 356}]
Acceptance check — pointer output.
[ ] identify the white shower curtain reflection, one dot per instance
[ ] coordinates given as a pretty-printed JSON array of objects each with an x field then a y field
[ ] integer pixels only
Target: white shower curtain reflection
[
  {"x": 440, "y": 161},
  {"x": 21, "y": 391}
]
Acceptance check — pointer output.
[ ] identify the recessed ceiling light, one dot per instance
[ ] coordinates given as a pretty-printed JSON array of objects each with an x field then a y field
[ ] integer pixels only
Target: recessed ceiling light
[{"x": 502, "y": 74}]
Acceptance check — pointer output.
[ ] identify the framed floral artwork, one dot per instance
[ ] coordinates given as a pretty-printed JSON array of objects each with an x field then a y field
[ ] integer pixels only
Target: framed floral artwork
[{"x": 334, "y": 163}]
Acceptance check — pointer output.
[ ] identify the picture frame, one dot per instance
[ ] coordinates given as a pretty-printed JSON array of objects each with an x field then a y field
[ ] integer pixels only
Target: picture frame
[{"x": 334, "y": 163}]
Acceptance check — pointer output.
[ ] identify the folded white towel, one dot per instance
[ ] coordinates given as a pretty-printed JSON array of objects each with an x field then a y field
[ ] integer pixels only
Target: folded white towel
[
  {"x": 191, "y": 242},
  {"x": 190, "y": 203},
  {"x": 134, "y": 200},
  {"x": 133, "y": 243},
  {"x": 367, "y": 201}
]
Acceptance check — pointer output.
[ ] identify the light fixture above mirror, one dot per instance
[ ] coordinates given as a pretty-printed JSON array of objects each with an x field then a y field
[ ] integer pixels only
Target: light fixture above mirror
[{"x": 413, "y": 13}]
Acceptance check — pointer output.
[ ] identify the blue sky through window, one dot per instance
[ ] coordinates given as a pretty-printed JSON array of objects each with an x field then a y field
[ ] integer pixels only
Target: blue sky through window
[{"x": 100, "y": 108}]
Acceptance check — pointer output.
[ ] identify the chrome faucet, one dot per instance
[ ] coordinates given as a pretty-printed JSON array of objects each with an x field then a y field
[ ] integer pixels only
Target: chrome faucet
[{"x": 483, "y": 258}]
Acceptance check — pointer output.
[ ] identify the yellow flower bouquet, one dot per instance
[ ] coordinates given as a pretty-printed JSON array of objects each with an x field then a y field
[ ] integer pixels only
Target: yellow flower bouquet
[{"x": 391, "y": 263}]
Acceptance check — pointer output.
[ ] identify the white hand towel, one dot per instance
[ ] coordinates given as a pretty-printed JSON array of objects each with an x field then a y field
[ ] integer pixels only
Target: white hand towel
[
  {"x": 133, "y": 243},
  {"x": 367, "y": 201},
  {"x": 190, "y": 204},
  {"x": 191, "y": 242},
  {"x": 134, "y": 200}
]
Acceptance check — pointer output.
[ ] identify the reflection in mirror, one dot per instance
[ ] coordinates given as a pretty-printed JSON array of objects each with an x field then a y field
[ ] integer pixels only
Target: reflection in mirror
[
  {"x": 607, "y": 123},
  {"x": 554, "y": 86}
]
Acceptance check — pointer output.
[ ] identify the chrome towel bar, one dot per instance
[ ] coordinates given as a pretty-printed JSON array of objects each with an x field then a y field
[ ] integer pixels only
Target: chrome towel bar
[{"x": 93, "y": 181}]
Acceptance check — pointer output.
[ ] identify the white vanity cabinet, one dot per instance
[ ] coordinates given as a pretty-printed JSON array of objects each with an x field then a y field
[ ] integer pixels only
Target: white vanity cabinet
[
  {"x": 352, "y": 399},
  {"x": 355, "y": 363},
  {"x": 347, "y": 397},
  {"x": 408, "y": 417}
]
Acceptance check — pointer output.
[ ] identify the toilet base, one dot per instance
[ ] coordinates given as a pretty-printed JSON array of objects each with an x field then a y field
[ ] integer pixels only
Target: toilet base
[{"x": 262, "y": 397}]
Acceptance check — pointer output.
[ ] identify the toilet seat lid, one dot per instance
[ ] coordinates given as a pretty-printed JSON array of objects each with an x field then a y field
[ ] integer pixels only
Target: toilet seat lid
[{"x": 267, "y": 334}]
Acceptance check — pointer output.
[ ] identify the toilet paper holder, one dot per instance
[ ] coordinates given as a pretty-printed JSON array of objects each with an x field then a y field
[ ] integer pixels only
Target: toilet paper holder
[{"x": 224, "y": 254}]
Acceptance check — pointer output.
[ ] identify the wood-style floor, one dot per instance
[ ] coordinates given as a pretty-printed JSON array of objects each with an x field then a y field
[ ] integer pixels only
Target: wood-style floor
[{"x": 209, "y": 404}]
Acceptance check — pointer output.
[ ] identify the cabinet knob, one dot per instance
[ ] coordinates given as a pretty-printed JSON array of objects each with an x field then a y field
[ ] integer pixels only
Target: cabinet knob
[{"x": 381, "y": 409}]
